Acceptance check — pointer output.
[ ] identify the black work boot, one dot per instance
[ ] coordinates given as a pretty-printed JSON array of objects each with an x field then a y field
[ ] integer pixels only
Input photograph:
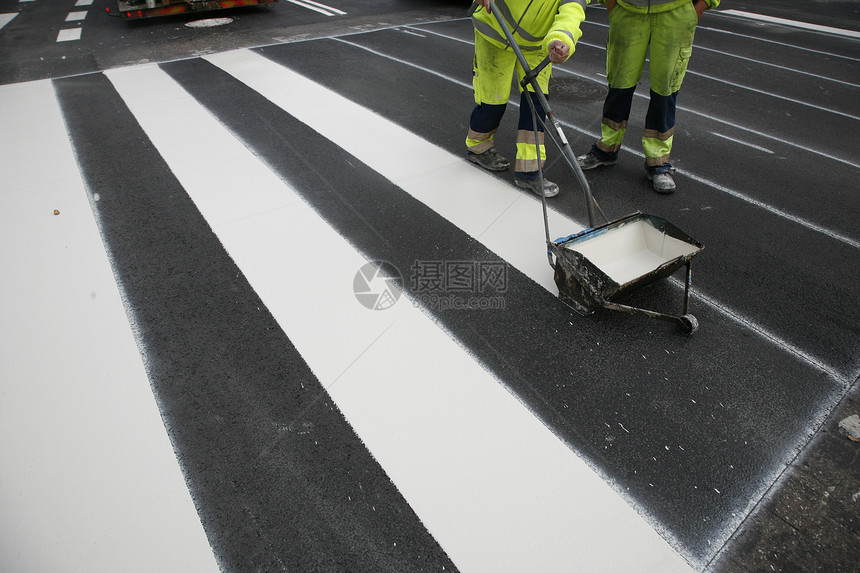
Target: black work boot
[
  {"x": 550, "y": 189},
  {"x": 490, "y": 160},
  {"x": 590, "y": 161}
]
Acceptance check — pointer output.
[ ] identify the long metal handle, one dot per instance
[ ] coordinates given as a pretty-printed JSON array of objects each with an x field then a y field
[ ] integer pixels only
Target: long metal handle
[{"x": 565, "y": 148}]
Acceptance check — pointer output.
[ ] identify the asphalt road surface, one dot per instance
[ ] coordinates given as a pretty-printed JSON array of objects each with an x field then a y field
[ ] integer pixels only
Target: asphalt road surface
[{"x": 260, "y": 314}]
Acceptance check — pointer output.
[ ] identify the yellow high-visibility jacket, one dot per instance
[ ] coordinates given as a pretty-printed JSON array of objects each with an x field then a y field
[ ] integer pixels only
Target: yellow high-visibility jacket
[
  {"x": 654, "y": 6},
  {"x": 534, "y": 23}
]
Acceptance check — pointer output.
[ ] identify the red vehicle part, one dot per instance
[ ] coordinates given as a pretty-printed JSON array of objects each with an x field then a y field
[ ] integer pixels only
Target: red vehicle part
[{"x": 136, "y": 9}]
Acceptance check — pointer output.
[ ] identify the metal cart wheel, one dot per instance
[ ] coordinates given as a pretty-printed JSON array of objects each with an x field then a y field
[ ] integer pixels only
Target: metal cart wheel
[{"x": 689, "y": 324}]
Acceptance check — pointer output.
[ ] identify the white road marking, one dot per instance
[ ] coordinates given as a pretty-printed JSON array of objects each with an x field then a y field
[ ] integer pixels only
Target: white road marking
[
  {"x": 759, "y": 39},
  {"x": 722, "y": 308},
  {"x": 741, "y": 142},
  {"x": 317, "y": 7},
  {"x": 776, "y": 96},
  {"x": 412, "y": 32},
  {"x": 786, "y": 22},
  {"x": 493, "y": 485},
  {"x": 6, "y": 18},
  {"x": 767, "y": 136},
  {"x": 637, "y": 94},
  {"x": 76, "y": 16},
  {"x": 780, "y": 44},
  {"x": 90, "y": 481},
  {"x": 844, "y": 380},
  {"x": 755, "y": 90},
  {"x": 81, "y": 3},
  {"x": 777, "y": 66},
  {"x": 69, "y": 35},
  {"x": 737, "y": 194},
  {"x": 792, "y": 23},
  {"x": 537, "y": 269}
]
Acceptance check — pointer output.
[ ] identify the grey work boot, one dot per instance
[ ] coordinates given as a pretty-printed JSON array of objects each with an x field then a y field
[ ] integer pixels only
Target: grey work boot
[
  {"x": 490, "y": 160},
  {"x": 663, "y": 182},
  {"x": 550, "y": 189},
  {"x": 590, "y": 161}
]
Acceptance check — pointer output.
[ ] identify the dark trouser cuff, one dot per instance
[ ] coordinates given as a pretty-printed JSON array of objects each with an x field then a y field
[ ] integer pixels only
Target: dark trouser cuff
[
  {"x": 655, "y": 169},
  {"x": 604, "y": 155},
  {"x": 527, "y": 175}
]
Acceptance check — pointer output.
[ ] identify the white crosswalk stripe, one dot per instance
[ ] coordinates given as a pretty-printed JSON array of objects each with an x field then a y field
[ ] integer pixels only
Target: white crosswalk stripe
[
  {"x": 395, "y": 371},
  {"x": 6, "y": 18},
  {"x": 87, "y": 467},
  {"x": 469, "y": 198},
  {"x": 501, "y": 492}
]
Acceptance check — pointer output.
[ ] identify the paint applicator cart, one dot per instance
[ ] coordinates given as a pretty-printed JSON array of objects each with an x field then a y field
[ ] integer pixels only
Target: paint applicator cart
[
  {"x": 601, "y": 264},
  {"x": 597, "y": 266}
]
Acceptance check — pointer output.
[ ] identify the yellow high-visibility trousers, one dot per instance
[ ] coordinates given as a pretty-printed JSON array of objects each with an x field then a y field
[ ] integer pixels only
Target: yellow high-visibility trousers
[
  {"x": 494, "y": 71},
  {"x": 669, "y": 37}
]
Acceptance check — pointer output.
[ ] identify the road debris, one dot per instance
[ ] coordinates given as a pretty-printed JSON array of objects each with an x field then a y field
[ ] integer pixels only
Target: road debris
[{"x": 851, "y": 427}]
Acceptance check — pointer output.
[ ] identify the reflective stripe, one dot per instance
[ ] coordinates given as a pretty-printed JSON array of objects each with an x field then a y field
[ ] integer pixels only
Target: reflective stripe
[
  {"x": 492, "y": 34},
  {"x": 656, "y": 161},
  {"x": 488, "y": 31},
  {"x": 479, "y": 146},
  {"x": 535, "y": 27},
  {"x": 568, "y": 34},
  {"x": 478, "y": 136},
  {"x": 515, "y": 28},
  {"x": 527, "y": 136},
  {"x": 479, "y": 142},
  {"x": 526, "y": 165},
  {"x": 614, "y": 125},
  {"x": 580, "y": 2},
  {"x": 614, "y": 148},
  {"x": 527, "y": 160},
  {"x": 656, "y": 150},
  {"x": 661, "y": 136},
  {"x": 611, "y": 135}
]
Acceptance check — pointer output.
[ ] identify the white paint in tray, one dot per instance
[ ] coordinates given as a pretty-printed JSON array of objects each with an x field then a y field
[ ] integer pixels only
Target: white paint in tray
[{"x": 630, "y": 251}]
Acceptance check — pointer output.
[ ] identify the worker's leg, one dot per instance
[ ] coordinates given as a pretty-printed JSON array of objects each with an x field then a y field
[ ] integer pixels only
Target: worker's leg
[
  {"x": 531, "y": 151},
  {"x": 671, "y": 46},
  {"x": 527, "y": 153},
  {"x": 626, "y": 47},
  {"x": 491, "y": 78}
]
